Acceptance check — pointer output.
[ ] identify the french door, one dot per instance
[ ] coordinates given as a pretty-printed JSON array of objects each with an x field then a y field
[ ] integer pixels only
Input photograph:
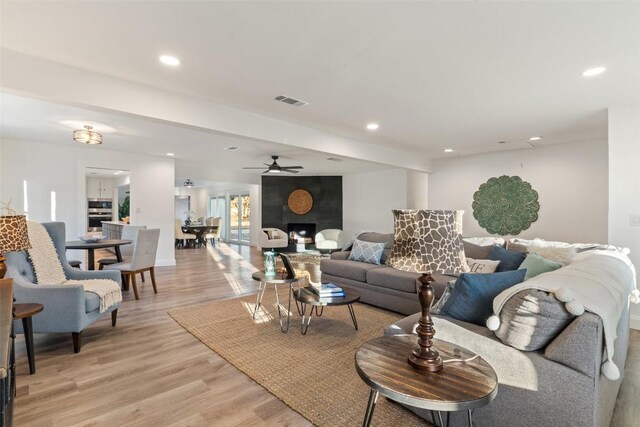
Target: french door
[
  {"x": 239, "y": 214},
  {"x": 218, "y": 208}
]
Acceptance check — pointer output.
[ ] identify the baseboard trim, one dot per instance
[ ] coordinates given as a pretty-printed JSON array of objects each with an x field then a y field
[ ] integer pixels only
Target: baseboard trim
[
  {"x": 165, "y": 262},
  {"x": 634, "y": 322}
]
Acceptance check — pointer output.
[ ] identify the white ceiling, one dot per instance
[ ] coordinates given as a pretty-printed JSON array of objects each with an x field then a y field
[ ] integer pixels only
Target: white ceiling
[
  {"x": 433, "y": 74},
  {"x": 198, "y": 154}
]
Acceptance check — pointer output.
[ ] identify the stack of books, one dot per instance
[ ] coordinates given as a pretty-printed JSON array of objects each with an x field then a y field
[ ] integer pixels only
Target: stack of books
[{"x": 327, "y": 290}]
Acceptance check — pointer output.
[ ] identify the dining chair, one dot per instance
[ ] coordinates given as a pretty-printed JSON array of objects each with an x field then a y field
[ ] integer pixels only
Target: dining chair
[
  {"x": 129, "y": 232},
  {"x": 214, "y": 222},
  {"x": 181, "y": 236},
  {"x": 143, "y": 259}
]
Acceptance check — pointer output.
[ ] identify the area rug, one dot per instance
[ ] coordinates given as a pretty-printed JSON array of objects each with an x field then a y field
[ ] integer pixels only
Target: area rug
[{"x": 314, "y": 374}]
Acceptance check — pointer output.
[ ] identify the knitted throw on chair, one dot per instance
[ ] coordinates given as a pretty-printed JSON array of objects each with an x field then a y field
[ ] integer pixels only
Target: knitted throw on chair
[{"x": 48, "y": 269}]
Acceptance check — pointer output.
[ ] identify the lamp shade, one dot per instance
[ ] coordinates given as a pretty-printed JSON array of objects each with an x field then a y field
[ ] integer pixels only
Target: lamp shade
[
  {"x": 13, "y": 233},
  {"x": 428, "y": 241}
]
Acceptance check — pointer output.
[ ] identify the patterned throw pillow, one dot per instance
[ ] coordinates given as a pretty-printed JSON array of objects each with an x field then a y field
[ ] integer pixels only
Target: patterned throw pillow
[
  {"x": 428, "y": 240},
  {"x": 482, "y": 265},
  {"x": 368, "y": 252}
]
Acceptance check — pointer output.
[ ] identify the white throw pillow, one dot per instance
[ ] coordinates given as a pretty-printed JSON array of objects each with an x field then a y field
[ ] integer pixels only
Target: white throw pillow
[
  {"x": 482, "y": 266},
  {"x": 563, "y": 255}
]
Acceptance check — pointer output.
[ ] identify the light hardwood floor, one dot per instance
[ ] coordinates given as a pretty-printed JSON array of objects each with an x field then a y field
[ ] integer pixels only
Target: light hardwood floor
[{"x": 148, "y": 371}]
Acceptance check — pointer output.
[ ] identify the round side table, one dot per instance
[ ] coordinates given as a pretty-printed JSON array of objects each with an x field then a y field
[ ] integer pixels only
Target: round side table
[
  {"x": 25, "y": 312},
  {"x": 466, "y": 382},
  {"x": 275, "y": 280}
]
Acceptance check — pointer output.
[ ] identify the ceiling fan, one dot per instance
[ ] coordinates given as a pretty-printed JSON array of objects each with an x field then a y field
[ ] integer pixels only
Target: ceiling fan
[{"x": 276, "y": 168}]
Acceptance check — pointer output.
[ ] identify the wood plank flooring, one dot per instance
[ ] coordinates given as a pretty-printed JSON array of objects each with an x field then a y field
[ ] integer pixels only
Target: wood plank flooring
[{"x": 148, "y": 371}]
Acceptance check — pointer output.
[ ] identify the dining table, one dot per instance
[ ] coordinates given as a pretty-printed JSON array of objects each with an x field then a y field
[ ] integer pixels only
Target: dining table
[
  {"x": 199, "y": 230},
  {"x": 90, "y": 247}
]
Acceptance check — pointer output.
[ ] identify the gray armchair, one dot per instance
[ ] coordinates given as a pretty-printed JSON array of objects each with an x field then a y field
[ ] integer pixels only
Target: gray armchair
[{"x": 67, "y": 308}]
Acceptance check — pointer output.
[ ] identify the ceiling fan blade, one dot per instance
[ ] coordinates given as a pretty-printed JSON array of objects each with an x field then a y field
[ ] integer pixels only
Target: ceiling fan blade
[
  {"x": 267, "y": 164},
  {"x": 259, "y": 167},
  {"x": 289, "y": 171},
  {"x": 292, "y": 167},
  {"x": 267, "y": 171}
]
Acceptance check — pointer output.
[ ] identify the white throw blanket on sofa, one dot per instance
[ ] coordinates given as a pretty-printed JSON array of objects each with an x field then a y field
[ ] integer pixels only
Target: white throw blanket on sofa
[
  {"x": 601, "y": 282},
  {"x": 48, "y": 269}
]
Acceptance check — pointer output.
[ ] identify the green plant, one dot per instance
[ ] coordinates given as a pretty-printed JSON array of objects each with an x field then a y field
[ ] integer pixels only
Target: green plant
[{"x": 123, "y": 209}]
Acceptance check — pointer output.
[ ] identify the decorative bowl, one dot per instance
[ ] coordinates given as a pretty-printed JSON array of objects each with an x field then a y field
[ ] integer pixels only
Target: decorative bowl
[{"x": 91, "y": 239}]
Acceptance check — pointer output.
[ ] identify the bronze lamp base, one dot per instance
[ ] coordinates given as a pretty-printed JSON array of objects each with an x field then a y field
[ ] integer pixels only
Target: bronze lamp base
[{"x": 425, "y": 357}]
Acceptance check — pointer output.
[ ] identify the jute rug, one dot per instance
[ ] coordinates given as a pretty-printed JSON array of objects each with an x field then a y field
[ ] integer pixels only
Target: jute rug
[{"x": 314, "y": 374}]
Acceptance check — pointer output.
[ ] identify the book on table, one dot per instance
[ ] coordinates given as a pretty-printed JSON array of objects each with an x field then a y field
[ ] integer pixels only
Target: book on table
[{"x": 327, "y": 290}]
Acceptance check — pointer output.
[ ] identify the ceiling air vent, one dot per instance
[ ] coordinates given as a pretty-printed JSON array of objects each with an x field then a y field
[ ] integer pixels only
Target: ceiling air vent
[{"x": 290, "y": 101}]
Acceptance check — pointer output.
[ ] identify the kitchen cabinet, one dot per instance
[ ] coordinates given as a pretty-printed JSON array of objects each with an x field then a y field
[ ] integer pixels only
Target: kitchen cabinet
[{"x": 99, "y": 188}]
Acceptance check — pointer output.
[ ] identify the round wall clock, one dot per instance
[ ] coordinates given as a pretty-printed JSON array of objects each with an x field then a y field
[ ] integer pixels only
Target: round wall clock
[
  {"x": 505, "y": 205},
  {"x": 300, "y": 201}
]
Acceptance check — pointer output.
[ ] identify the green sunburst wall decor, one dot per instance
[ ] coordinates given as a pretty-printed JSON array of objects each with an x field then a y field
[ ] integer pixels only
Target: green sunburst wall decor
[{"x": 505, "y": 205}]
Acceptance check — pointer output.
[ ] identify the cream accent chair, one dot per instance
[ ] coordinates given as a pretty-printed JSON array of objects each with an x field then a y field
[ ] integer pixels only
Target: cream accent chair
[
  {"x": 329, "y": 239},
  {"x": 181, "y": 236},
  {"x": 214, "y": 222},
  {"x": 281, "y": 239}
]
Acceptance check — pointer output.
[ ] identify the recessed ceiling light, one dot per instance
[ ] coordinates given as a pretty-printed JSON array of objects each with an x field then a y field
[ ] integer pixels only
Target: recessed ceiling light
[
  {"x": 170, "y": 154},
  {"x": 535, "y": 138},
  {"x": 449, "y": 150},
  {"x": 231, "y": 148},
  {"x": 372, "y": 126},
  {"x": 169, "y": 60},
  {"x": 117, "y": 173},
  {"x": 594, "y": 71}
]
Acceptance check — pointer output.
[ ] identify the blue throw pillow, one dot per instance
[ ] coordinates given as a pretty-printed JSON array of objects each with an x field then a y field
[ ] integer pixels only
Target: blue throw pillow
[
  {"x": 471, "y": 299},
  {"x": 509, "y": 260},
  {"x": 368, "y": 252}
]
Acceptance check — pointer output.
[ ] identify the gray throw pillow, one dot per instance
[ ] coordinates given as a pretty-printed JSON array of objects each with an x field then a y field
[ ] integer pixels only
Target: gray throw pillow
[
  {"x": 385, "y": 238},
  {"x": 368, "y": 252},
  {"x": 474, "y": 251},
  {"x": 531, "y": 319}
]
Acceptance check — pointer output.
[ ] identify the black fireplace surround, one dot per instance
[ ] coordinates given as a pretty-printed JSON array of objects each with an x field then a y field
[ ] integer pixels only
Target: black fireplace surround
[
  {"x": 301, "y": 233},
  {"x": 325, "y": 213}
]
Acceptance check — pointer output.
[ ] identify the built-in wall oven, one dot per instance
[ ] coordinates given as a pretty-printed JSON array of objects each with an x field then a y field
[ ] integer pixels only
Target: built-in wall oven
[{"x": 98, "y": 210}]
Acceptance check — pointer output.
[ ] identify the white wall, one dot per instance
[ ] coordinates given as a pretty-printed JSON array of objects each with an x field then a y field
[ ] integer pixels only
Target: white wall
[
  {"x": 417, "y": 190},
  {"x": 571, "y": 181},
  {"x": 624, "y": 185},
  {"x": 369, "y": 197},
  {"x": 61, "y": 168}
]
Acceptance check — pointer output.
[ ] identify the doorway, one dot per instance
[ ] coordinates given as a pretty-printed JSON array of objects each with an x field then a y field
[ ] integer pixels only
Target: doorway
[{"x": 239, "y": 214}]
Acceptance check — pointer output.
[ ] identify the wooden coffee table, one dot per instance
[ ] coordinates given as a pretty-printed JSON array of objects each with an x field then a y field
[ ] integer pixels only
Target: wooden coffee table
[
  {"x": 460, "y": 386},
  {"x": 306, "y": 297}
]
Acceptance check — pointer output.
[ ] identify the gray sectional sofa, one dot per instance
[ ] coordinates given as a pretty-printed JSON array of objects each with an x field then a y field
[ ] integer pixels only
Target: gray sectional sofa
[
  {"x": 560, "y": 384},
  {"x": 379, "y": 285}
]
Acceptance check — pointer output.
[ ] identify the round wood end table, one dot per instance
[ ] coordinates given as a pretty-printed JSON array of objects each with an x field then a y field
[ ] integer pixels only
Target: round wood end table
[
  {"x": 26, "y": 312},
  {"x": 466, "y": 382}
]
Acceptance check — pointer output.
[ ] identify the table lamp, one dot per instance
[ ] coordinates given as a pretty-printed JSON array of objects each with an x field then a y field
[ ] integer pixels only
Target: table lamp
[
  {"x": 13, "y": 237},
  {"x": 427, "y": 241}
]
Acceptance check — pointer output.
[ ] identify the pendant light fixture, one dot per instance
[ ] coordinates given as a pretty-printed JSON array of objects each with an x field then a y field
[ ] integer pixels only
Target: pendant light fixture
[
  {"x": 87, "y": 136},
  {"x": 188, "y": 183}
]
